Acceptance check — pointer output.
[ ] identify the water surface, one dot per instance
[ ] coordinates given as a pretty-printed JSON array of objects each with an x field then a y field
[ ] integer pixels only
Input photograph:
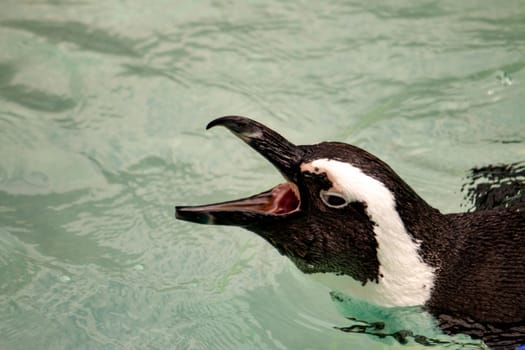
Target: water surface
[{"x": 102, "y": 114}]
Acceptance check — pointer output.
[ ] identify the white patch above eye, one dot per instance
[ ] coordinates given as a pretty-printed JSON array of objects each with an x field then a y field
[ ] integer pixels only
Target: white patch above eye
[{"x": 404, "y": 278}]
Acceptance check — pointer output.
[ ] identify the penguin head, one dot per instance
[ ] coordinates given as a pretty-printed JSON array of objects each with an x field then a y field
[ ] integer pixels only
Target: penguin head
[{"x": 329, "y": 214}]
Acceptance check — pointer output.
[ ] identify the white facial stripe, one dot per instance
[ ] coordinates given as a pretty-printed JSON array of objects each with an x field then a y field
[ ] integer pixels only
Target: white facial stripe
[{"x": 406, "y": 279}]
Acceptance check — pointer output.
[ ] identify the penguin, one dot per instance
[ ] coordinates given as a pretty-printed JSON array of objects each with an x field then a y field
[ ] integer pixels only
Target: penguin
[{"x": 346, "y": 219}]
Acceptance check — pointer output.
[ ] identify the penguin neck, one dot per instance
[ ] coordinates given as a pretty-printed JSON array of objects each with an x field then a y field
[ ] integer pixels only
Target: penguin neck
[
  {"x": 425, "y": 224},
  {"x": 407, "y": 271}
]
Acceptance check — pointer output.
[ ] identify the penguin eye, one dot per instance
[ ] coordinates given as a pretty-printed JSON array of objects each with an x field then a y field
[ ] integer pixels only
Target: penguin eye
[{"x": 333, "y": 199}]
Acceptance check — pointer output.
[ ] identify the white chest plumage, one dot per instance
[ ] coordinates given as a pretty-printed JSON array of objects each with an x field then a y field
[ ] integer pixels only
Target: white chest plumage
[{"x": 404, "y": 278}]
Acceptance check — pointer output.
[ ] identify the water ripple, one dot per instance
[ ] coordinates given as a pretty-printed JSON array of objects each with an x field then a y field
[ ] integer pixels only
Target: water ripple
[{"x": 80, "y": 34}]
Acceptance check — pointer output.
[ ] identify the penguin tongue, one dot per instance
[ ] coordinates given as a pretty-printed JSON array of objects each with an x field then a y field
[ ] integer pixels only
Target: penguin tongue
[{"x": 280, "y": 200}]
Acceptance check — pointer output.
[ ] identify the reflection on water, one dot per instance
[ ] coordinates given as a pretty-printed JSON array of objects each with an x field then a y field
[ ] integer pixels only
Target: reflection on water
[{"x": 102, "y": 115}]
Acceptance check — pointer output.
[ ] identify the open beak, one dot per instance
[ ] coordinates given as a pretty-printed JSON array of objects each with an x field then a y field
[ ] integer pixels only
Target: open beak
[{"x": 281, "y": 200}]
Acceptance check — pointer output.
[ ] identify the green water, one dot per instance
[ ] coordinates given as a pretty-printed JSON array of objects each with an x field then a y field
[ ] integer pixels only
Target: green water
[{"x": 102, "y": 112}]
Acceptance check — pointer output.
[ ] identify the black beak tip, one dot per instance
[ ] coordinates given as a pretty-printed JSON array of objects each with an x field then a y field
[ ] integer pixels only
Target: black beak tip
[
  {"x": 236, "y": 124},
  {"x": 213, "y": 123},
  {"x": 187, "y": 214},
  {"x": 227, "y": 121}
]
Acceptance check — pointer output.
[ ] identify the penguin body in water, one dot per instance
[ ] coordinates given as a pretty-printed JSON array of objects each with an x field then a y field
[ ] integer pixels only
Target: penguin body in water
[{"x": 347, "y": 219}]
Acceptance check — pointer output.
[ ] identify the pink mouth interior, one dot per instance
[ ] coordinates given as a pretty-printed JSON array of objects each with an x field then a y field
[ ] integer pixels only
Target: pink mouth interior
[{"x": 283, "y": 200}]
